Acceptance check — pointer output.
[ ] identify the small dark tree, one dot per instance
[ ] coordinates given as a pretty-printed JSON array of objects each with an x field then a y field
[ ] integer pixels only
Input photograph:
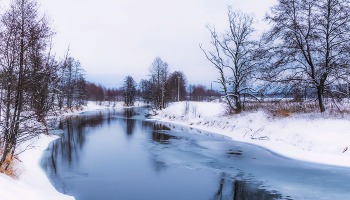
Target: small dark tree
[
  {"x": 94, "y": 92},
  {"x": 199, "y": 92},
  {"x": 159, "y": 75},
  {"x": 110, "y": 95},
  {"x": 129, "y": 91},
  {"x": 146, "y": 90},
  {"x": 72, "y": 84},
  {"x": 177, "y": 86}
]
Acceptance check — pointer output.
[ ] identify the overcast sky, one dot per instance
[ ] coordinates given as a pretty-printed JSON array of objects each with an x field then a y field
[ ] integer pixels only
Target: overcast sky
[{"x": 116, "y": 38}]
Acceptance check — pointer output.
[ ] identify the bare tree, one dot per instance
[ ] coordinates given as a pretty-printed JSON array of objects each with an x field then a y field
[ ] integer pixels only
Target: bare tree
[
  {"x": 23, "y": 39},
  {"x": 177, "y": 86},
  {"x": 94, "y": 92},
  {"x": 308, "y": 44},
  {"x": 159, "y": 75},
  {"x": 72, "y": 85},
  {"x": 146, "y": 90},
  {"x": 129, "y": 91},
  {"x": 235, "y": 52}
]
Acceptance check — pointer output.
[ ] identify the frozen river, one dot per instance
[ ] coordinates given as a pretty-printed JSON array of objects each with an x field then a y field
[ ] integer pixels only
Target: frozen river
[{"x": 118, "y": 154}]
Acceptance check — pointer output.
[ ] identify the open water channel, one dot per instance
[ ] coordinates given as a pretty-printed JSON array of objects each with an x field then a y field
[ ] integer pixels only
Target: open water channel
[{"x": 118, "y": 154}]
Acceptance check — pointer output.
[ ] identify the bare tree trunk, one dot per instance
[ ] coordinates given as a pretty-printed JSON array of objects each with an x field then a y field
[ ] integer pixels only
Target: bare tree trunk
[
  {"x": 7, "y": 129},
  {"x": 2, "y": 87},
  {"x": 321, "y": 99},
  {"x": 162, "y": 107},
  {"x": 19, "y": 96},
  {"x": 238, "y": 104},
  {"x": 243, "y": 101}
]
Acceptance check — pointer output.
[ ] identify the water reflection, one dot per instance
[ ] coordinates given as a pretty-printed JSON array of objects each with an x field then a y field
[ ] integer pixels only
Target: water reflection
[
  {"x": 230, "y": 188},
  {"x": 167, "y": 161},
  {"x": 187, "y": 129},
  {"x": 159, "y": 133},
  {"x": 159, "y": 166},
  {"x": 130, "y": 112},
  {"x": 65, "y": 152},
  {"x": 161, "y": 137},
  {"x": 65, "y": 159},
  {"x": 130, "y": 126}
]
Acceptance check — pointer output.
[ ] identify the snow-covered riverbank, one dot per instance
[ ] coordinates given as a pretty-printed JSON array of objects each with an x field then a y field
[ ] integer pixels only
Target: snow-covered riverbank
[
  {"x": 315, "y": 139},
  {"x": 91, "y": 105},
  {"x": 33, "y": 183}
]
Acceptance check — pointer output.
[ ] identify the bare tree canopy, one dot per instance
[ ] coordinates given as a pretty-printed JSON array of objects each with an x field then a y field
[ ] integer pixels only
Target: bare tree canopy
[
  {"x": 159, "y": 77},
  {"x": 234, "y": 52},
  {"x": 129, "y": 91},
  {"x": 177, "y": 86},
  {"x": 72, "y": 85},
  {"x": 308, "y": 44},
  {"x": 24, "y": 62}
]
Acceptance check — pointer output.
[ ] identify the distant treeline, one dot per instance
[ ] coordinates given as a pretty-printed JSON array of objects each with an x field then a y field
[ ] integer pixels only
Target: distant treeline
[
  {"x": 143, "y": 91},
  {"x": 162, "y": 87}
]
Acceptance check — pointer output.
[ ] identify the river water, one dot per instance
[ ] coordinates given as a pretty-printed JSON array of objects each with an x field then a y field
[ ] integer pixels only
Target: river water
[{"x": 118, "y": 154}]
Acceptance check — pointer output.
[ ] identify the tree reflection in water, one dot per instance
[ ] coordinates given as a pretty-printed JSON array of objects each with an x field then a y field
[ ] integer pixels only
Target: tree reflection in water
[
  {"x": 65, "y": 152},
  {"x": 231, "y": 188},
  {"x": 62, "y": 162},
  {"x": 159, "y": 133},
  {"x": 130, "y": 112},
  {"x": 130, "y": 126},
  {"x": 74, "y": 138}
]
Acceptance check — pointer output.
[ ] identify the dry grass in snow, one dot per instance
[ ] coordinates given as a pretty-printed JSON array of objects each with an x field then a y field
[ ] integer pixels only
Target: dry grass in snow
[
  {"x": 33, "y": 183},
  {"x": 11, "y": 167}
]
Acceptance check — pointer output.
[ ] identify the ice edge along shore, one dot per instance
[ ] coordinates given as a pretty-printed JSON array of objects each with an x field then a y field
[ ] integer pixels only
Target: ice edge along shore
[{"x": 320, "y": 140}]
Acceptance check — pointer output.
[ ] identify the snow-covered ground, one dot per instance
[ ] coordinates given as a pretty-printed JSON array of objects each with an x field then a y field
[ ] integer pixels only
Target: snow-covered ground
[
  {"x": 33, "y": 183},
  {"x": 92, "y": 105},
  {"x": 315, "y": 139}
]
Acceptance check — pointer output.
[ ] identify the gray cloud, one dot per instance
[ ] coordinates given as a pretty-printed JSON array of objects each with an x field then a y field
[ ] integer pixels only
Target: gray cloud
[{"x": 113, "y": 39}]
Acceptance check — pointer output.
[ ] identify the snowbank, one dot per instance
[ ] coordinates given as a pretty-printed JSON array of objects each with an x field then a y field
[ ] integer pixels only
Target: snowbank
[
  {"x": 311, "y": 139},
  {"x": 33, "y": 183},
  {"x": 95, "y": 105}
]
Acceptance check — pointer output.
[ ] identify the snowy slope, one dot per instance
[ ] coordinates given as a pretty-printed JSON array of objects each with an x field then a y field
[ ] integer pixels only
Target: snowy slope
[
  {"x": 323, "y": 140},
  {"x": 33, "y": 183}
]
